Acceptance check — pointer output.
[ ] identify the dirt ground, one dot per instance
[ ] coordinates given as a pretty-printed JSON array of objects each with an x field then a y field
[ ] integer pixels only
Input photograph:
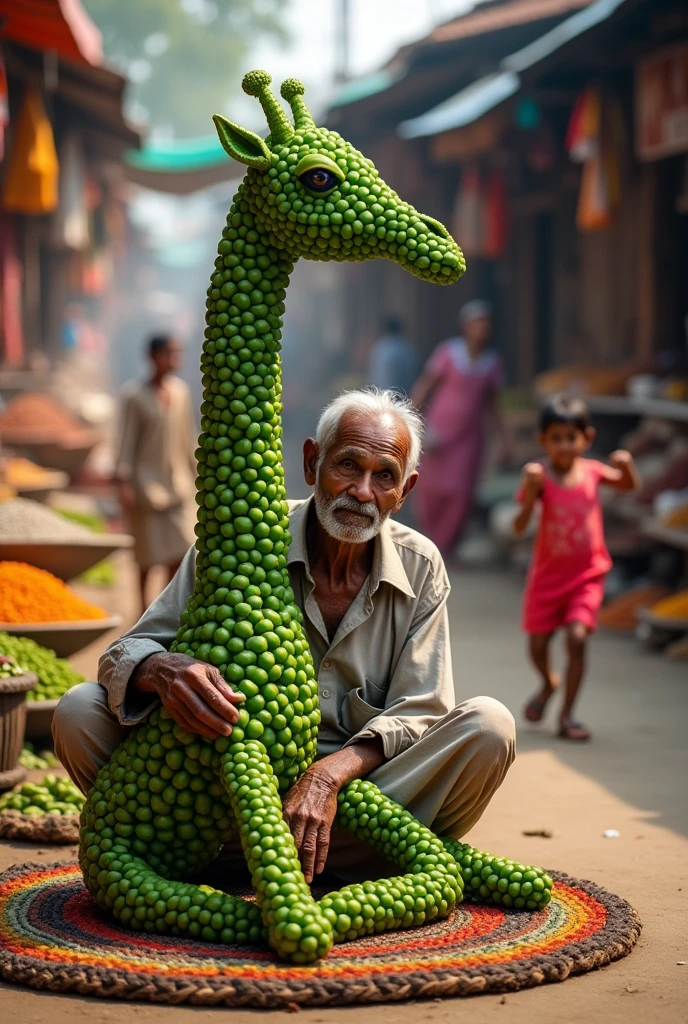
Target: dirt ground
[{"x": 632, "y": 778}]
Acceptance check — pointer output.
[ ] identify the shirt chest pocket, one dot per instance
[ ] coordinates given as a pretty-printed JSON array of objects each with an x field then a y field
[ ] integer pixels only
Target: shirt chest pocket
[{"x": 361, "y": 705}]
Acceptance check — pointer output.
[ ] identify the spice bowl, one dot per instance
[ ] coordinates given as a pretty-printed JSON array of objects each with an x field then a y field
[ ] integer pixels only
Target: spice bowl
[
  {"x": 39, "y": 719},
  {"x": 65, "y": 559},
  {"x": 64, "y": 638}
]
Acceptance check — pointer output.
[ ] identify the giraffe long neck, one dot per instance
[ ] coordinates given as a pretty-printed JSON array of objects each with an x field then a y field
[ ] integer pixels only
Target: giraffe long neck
[{"x": 240, "y": 485}]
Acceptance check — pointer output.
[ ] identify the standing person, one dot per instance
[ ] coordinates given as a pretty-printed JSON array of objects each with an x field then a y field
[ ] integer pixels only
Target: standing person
[
  {"x": 566, "y": 579},
  {"x": 394, "y": 361},
  {"x": 460, "y": 384},
  {"x": 154, "y": 465}
]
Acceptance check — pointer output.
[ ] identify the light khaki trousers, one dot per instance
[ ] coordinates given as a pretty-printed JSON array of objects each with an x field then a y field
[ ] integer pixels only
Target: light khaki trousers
[{"x": 446, "y": 779}]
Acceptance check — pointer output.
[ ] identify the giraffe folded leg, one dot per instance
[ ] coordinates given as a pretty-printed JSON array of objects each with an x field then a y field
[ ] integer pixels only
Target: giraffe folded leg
[
  {"x": 507, "y": 883},
  {"x": 297, "y": 928},
  {"x": 430, "y": 888}
]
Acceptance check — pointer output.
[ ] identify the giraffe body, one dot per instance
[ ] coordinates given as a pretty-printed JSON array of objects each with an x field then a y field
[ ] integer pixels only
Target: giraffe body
[{"x": 165, "y": 803}]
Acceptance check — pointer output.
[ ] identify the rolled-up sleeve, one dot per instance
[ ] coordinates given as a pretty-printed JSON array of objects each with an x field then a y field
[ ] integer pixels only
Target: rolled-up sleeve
[
  {"x": 152, "y": 634},
  {"x": 421, "y": 690}
]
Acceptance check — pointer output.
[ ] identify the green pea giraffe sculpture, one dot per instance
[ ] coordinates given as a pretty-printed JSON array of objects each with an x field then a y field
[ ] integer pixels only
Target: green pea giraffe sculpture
[{"x": 167, "y": 801}]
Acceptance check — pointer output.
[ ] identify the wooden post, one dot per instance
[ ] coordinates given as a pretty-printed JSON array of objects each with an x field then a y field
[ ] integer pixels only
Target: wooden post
[{"x": 646, "y": 293}]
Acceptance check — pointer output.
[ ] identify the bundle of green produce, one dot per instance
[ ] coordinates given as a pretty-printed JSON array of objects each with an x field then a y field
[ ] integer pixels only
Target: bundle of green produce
[
  {"x": 89, "y": 520},
  {"x": 55, "y": 675},
  {"x": 104, "y": 574},
  {"x": 54, "y": 795},
  {"x": 9, "y": 667},
  {"x": 167, "y": 800},
  {"x": 30, "y": 759},
  {"x": 44, "y": 812}
]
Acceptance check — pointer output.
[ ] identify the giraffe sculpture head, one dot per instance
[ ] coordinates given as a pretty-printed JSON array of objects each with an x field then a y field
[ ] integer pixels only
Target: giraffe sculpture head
[{"x": 319, "y": 198}]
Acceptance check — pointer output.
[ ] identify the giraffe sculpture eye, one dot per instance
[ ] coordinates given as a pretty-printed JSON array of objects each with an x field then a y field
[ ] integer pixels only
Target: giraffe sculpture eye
[
  {"x": 319, "y": 180},
  {"x": 318, "y": 173}
]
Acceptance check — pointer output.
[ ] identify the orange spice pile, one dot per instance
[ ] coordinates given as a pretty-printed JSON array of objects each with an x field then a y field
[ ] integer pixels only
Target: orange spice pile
[{"x": 28, "y": 594}]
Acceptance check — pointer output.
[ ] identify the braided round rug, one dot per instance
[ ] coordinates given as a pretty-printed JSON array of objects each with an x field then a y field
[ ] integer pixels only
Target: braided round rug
[{"x": 53, "y": 936}]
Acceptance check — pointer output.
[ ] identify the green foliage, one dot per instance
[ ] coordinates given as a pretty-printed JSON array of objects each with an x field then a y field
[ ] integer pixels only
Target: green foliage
[{"x": 181, "y": 56}]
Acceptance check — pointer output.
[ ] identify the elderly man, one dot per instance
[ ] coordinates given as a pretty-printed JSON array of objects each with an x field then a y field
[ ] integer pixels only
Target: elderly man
[{"x": 373, "y": 595}]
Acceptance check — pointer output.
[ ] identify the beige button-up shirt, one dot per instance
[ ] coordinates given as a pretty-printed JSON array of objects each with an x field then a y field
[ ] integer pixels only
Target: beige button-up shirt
[{"x": 387, "y": 671}]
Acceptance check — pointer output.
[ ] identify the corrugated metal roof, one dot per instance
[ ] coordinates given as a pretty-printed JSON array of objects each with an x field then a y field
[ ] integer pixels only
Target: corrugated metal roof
[
  {"x": 466, "y": 107},
  {"x": 483, "y": 20},
  {"x": 480, "y": 97},
  {"x": 494, "y": 17}
]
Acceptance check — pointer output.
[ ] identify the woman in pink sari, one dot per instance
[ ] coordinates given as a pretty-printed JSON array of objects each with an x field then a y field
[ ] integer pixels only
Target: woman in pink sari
[{"x": 460, "y": 384}]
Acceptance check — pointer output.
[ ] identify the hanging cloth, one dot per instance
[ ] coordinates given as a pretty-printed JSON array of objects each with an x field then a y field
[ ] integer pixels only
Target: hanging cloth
[
  {"x": 11, "y": 341},
  {"x": 70, "y": 225},
  {"x": 4, "y": 105},
  {"x": 31, "y": 181},
  {"x": 468, "y": 218},
  {"x": 595, "y": 139},
  {"x": 495, "y": 216}
]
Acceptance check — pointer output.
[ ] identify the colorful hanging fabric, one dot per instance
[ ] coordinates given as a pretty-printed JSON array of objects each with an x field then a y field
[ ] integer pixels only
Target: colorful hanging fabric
[
  {"x": 4, "y": 105},
  {"x": 495, "y": 216},
  {"x": 583, "y": 133},
  {"x": 467, "y": 222},
  {"x": 11, "y": 340},
  {"x": 30, "y": 185},
  {"x": 595, "y": 138}
]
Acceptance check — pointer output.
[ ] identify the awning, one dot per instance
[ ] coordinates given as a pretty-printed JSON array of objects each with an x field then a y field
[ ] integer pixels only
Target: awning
[
  {"x": 467, "y": 106},
  {"x": 181, "y": 166},
  {"x": 489, "y": 92},
  {"x": 59, "y": 25}
]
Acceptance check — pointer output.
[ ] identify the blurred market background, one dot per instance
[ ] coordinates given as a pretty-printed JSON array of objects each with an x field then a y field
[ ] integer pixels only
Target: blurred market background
[{"x": 551, "y": 137}]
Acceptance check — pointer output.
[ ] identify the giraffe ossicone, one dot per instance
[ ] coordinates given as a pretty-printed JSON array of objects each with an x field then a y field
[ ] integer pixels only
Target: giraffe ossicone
[{"x": 166, "y": 802}]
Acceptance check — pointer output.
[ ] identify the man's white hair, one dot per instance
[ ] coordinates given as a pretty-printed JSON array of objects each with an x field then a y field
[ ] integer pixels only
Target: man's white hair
[{"x": 377, "y": 403}]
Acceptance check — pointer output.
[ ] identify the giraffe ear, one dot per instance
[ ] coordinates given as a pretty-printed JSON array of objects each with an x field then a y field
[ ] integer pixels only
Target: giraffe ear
[{"x": 241, "y": 144}]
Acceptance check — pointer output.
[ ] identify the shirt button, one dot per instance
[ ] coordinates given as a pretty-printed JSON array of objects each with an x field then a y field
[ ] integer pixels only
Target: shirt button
[
  {"x": 324, "y": 693},
  {"x": 326, "y": 664}
]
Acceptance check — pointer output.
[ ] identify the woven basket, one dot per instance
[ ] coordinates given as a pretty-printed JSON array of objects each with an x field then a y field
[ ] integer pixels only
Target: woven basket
[{"x": 13, "y": 692}]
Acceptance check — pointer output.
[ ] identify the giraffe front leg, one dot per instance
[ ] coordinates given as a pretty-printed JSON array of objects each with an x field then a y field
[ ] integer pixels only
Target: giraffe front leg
[
  {"x": 297, "y": 928},
  {"x": 499, "y": 880},
  {"x": 431, "y": 888}
]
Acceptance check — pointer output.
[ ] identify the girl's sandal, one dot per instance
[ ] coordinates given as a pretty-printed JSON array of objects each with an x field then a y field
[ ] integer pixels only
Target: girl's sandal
[
  {"x": 573, "y": 731},
  {"x": 535, "y": 708}
]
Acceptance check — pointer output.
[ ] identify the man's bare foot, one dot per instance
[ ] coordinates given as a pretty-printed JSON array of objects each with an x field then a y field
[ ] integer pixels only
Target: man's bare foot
[
  {"x": 574, "y": 731},
  {"x": 535, "y": 708}
]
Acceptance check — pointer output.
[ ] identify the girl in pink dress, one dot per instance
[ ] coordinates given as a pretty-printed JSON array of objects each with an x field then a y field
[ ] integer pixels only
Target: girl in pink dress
[
  {"x": 461, "y": 384},
  {"x": 565, "y": 584}
]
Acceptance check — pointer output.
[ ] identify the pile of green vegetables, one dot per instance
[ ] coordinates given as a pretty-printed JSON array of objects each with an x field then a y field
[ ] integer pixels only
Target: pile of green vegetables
[
  {"x": 54, "y": 795},
  {"x": 55, "y": 675},
  {"x": 9, "y": 668},
  {"x": 28, "y": 757}
]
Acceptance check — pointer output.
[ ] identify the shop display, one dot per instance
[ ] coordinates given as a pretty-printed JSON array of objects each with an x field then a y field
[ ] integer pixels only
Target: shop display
[
  {"x": 167, "y": 801},
  {"x": 24, "y": 521},
  {"x": 28, "y": 594},
  {"x": 53, "y": 795},
  {"x": 31, "y": 760},
  {"x": 55, "y": 675},
  {"x": 675, "y": 607},
  {"x": 621, "y": 613},
  {"x": 34, "y": 416}
]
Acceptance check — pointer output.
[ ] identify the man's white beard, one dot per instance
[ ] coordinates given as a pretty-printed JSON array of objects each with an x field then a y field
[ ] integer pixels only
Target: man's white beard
[{"x": 326, "y": 508}]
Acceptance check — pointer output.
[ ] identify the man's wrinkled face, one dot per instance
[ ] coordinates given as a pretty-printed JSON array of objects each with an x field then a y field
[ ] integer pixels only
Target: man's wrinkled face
[{"x": 359, "y": 480}]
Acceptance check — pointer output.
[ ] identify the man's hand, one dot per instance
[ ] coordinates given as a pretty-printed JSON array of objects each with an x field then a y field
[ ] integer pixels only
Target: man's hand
[
  {"x": 195, "y": 694},
  {"x": 309, "y": 809},
  {"x": 310, "y": 806}
]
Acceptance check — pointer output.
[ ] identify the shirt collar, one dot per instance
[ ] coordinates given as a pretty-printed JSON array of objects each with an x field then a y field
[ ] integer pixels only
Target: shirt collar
[{"x": 387, "y": 565}]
